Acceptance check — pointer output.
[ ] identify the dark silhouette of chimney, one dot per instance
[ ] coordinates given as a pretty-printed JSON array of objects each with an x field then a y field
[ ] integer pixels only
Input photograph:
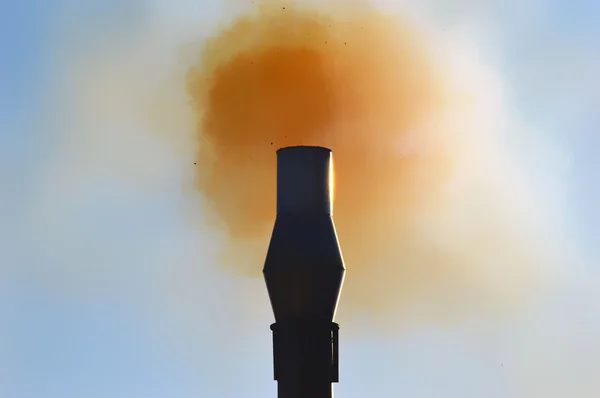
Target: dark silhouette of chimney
[{"x": 304, "y": 273}]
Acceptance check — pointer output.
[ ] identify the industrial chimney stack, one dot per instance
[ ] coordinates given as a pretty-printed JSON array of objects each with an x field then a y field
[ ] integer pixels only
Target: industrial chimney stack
[{"x": 304, "y": 272}]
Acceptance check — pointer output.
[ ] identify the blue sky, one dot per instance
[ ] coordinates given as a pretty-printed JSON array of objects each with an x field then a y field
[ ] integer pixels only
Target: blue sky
[{"x": 107, "y": 291}]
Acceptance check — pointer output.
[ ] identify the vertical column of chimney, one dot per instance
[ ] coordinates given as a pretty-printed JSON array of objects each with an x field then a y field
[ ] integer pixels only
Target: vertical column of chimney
[{"x": 304, "y": 273}]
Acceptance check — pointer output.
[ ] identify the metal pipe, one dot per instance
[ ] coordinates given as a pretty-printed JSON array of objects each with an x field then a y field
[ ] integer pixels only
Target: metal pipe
[{"x": 304, "y": 273}]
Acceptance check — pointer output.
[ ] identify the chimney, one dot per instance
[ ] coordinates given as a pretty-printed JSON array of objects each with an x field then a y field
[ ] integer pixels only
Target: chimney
[{"x": 304, "y": 272}]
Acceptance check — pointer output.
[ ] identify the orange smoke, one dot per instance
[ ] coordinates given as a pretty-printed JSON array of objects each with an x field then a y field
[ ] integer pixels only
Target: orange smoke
[{"x": 354, "y": 80}]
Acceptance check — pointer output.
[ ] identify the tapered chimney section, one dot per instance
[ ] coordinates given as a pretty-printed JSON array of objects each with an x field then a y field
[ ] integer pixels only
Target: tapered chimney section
[{"x": 304, "y": 272}]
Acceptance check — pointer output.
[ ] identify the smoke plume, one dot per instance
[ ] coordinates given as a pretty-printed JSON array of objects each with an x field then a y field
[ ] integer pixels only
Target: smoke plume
[{"x": 429, "y": 208}]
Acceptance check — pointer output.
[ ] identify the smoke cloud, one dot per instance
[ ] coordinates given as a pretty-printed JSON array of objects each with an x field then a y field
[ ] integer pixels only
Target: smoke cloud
[{"x": 433, "y": 212}]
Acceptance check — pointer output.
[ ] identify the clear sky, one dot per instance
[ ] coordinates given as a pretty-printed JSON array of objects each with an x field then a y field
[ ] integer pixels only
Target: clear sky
[{"x": 106, "y": 290}]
